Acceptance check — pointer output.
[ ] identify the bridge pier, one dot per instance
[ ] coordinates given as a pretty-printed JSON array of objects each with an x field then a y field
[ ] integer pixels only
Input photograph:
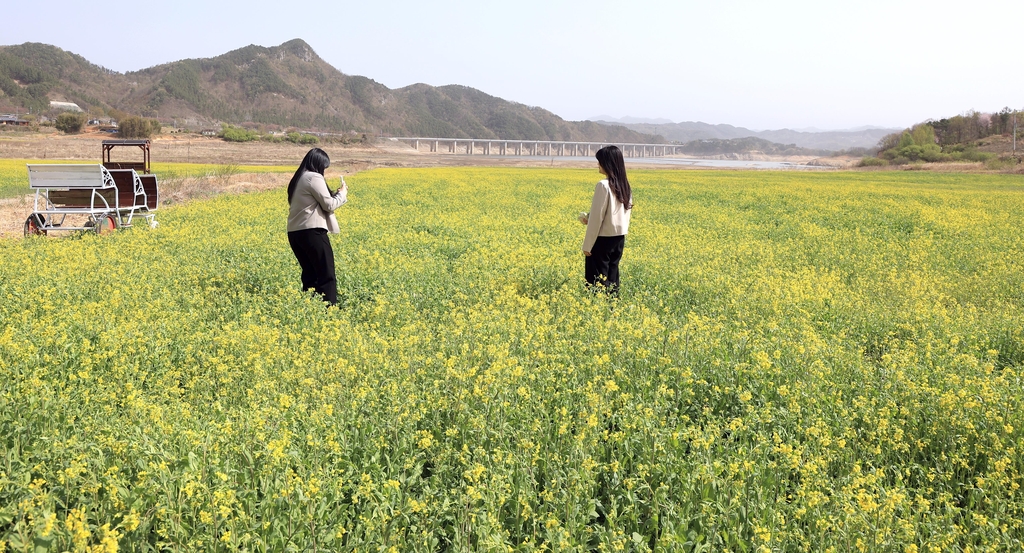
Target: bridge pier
[{"x": 537, "y": 148}]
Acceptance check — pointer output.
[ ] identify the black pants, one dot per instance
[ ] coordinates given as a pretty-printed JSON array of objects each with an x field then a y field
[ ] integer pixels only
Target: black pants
[
  {"x": 312, "y": 249},
  {"x": 602, "y": 266}
]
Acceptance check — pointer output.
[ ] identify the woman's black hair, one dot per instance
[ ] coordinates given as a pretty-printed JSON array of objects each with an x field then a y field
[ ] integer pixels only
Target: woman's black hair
[
  {"x": 316, "y": 160},
  {"x": 610, "y": 159}
]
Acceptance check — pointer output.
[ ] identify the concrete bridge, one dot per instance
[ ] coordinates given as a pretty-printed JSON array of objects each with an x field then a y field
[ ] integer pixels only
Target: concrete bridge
[{"x": 544, "y": 148}]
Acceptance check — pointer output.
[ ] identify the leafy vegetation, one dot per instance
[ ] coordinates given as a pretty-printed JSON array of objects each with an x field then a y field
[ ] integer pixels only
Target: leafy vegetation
[
  {"x": 797, "y": 362},
  {"x": 950, "y": 139},
  {"x": 238, "y": 134},
  {"x": 137, "y": 127},
  {"x": 70, "y": 123},
  {"x": 302, "y": 138},
  {"x": 871, "y": 161}
]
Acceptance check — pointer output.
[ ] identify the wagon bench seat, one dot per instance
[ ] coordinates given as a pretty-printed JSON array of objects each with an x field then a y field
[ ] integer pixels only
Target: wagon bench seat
[{"x": 72, "y": 186}]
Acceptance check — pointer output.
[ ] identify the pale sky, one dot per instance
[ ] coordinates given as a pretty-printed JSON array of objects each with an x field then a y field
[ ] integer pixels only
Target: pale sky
[{"x": 758, "y": 64}]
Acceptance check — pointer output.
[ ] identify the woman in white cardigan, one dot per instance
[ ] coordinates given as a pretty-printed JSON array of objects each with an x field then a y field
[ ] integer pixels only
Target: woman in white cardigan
[
  {"x": 608, "y": 221},
  {"x": 310, "y": 215}
]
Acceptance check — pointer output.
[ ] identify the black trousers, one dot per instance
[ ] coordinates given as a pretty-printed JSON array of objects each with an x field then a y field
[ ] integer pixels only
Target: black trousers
[
  {"x": 312, "y": 248},
  {"x": 602, "y": 266}
]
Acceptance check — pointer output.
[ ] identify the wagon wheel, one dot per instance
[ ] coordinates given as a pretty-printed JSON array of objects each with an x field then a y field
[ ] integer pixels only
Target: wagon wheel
[
  {"x": 105, "y": 224},
  {"x": 34, "y": 225}
]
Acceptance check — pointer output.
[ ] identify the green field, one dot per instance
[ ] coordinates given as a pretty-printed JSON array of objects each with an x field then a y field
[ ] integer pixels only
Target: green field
[{"x": 797, "y": 362}]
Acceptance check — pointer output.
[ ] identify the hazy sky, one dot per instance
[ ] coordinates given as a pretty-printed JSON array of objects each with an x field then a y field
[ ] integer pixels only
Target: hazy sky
[{"x": 757, "y": 64}]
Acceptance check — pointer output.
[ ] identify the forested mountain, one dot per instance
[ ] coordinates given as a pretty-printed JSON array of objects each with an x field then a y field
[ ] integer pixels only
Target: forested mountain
[{"x": 286, "y": 86}]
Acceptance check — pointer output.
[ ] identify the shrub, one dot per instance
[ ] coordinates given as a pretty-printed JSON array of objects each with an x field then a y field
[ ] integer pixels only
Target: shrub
[
  {"x": 137, "y": 127},
  {"x": 299, "y": 138},
  {"x": 913, "y": 151},
  {"x": 970, "y": 154},
  {"x": 873, "y": 162},
  {"x": 70, "y": 123},
  {"x": 932, "y": 152},
  {"x": 238, "y": 134},
  {"x": 1002, "y": 163}
]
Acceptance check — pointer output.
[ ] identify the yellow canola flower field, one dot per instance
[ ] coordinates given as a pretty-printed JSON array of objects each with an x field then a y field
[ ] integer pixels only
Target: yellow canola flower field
[{"x": 797, "y": 362}]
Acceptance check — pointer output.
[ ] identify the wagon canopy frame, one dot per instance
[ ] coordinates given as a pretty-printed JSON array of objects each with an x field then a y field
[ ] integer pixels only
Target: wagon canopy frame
[{"x": 139, "y": 166}]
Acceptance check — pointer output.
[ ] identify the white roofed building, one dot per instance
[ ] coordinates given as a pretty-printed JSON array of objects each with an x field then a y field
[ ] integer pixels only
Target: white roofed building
[{"x": 66, "y": 106}]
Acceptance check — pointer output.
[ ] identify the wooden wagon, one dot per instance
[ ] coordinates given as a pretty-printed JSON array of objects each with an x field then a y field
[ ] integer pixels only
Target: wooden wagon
[{"x": 98, "y": 197}]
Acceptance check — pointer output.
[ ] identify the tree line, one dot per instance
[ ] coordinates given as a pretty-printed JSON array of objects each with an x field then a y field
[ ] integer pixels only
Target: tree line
[
  {"x": 948, "y": 139},
  {"x": 128, "y": 126}
]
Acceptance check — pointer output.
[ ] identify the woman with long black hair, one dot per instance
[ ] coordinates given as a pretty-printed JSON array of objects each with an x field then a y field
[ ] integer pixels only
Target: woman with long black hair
[
  {"x": 608, "y": 221},
  {"x": 311, "y": 209}
]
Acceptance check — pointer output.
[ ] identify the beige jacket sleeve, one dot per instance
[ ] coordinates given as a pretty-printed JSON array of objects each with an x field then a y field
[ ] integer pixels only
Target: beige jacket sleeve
[
  {"x": 598, "y": 212},
  {"x": 322, "y": 195}
]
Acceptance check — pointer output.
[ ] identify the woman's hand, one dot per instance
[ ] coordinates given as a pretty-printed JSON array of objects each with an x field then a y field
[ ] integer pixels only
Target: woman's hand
[
  {"x": 587, "y": 254},
  {"x": 584, "y": 218}
]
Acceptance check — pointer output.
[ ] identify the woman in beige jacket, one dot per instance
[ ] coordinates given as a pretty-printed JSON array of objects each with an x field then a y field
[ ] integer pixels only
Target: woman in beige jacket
[
  {"x": 311, "y": 211},
  {"x": 608, "y": 221}
]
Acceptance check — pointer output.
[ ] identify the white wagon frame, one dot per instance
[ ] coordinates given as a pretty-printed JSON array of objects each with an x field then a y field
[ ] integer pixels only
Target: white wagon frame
[{"x": 91, "y": 190}]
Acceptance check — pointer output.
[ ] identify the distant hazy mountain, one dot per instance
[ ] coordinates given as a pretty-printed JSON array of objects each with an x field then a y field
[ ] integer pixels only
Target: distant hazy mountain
[
  {"x": 710, "y": 147},
  {"x": 629, "y": 120},
  {"x": 864, "y": 137},
  {"x": 282, "y": 86}
]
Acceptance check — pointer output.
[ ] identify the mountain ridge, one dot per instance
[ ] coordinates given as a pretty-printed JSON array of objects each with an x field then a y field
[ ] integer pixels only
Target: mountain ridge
[{"x": 284, "y": 86}]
